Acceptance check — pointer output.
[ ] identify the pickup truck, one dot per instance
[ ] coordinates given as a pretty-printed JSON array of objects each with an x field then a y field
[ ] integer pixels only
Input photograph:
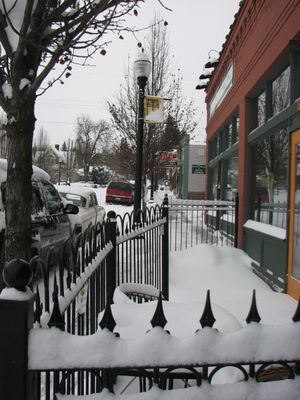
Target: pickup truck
[{"x": 90, "y": 212}]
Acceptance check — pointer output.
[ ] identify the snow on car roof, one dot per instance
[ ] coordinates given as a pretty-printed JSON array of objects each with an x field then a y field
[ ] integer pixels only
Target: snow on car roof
[
  {"x": 74, "y": 189},
  {"x": 37, "y": 173}
]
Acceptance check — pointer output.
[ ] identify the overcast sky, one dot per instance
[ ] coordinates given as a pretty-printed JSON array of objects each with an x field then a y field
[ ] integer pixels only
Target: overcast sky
[{"x": 195, "y": 27}]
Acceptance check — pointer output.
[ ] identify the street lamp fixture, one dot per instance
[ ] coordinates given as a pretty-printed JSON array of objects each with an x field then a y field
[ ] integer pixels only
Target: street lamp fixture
[
  {"x": 142, "y": 69},
  {"x": 206, "y": 74},
  {"x": 212, "y": 61},
  {"x": 203, "y": 83}
]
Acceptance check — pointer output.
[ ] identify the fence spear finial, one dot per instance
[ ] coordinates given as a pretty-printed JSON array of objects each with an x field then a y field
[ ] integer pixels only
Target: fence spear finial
[
  {"x": 38, "y": 307},
  {"x": 207, "y": 318},
  {"x": 108, "y": 320},
  {"x": 253, "y": 315},
  {"x": 159, "y": 318},
  {"x": 56, "y": 318}
]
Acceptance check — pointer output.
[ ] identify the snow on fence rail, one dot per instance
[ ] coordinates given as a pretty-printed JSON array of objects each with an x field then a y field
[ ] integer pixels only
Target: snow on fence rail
[{"x": 259, "y": 353}]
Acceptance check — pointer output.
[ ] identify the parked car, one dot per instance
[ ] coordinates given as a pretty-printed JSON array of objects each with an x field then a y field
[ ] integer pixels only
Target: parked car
[
  {"x": 262, "y": 194},
  {"x": 90, "y": 212},
  {"x": 120, "y": 192},
  {"x": 49, "y": 217}
]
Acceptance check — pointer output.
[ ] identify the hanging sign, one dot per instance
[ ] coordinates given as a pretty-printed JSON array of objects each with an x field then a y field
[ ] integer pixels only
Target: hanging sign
[
  {"x": 168, "y": 157},
  {"x": 153, "y": 110}
]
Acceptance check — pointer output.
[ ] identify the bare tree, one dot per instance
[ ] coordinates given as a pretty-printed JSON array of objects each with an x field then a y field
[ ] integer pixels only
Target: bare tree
[
  {"x": 120, "y": 158},
  {"x": 70, "y": 156},
  {"x": 42, "y": 140},
  {"x": 88, "y": 137},
  {"x": 40, "y": 149},
  {"x": 161, "y": 83},
  {"x": 35, "y": 37}
]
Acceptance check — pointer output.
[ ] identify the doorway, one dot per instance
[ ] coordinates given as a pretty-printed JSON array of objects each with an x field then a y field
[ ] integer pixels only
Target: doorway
[{"x": 294, "y": 226}]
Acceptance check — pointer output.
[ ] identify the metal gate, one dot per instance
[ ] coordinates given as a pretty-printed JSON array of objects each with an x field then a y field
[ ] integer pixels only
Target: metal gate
[{"x": 192, "y": 222}]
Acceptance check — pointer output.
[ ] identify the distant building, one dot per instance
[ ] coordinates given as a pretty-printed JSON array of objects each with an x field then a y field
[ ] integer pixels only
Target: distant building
[
  {"x": 60, "y": 165},
  {"x": 191, "y": 173}
]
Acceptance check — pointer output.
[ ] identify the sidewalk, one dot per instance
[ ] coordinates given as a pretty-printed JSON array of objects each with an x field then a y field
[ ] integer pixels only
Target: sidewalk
[{"x": 227, "y": 272}]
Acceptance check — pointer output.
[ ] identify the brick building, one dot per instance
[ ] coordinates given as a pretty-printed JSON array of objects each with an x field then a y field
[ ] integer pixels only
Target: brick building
[{"x": 253, "y": 134}]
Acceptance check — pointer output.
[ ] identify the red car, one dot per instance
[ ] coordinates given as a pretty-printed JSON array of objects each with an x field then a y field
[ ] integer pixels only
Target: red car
[{"x": 120, "y": 192}]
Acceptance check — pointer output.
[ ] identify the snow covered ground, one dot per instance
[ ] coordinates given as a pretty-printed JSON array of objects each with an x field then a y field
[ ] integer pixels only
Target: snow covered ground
[
  {"x": 227, "y": 273},
  {"x": 224, "y": 270}
]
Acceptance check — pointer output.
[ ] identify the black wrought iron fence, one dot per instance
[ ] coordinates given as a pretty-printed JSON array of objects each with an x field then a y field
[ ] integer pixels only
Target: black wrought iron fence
[
  {"x": 39, "y": 362},
  {"x": 71, "y": 289},
  {"x": 192, "y": 222},
  {"x": 189, "y": 363},
  {"x": 139, "y": 247}
]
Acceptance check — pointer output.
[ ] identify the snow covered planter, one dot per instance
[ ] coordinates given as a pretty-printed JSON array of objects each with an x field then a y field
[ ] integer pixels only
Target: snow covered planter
[{"x": 267, "y": 246}]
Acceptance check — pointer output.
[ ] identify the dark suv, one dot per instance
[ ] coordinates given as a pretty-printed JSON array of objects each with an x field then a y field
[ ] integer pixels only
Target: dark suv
[{"x": 49, "y": 215}]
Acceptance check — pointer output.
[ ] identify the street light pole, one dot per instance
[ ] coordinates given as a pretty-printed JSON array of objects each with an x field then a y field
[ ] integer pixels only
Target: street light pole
[
  {"x": 142, "y": 68},
  {"x": 59, "y": 171}
]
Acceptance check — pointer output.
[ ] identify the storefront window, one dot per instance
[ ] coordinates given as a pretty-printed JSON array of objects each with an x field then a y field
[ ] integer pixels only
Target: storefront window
[
  {"x": 225, "y": 138},
  {"x": 233, "y": 130},
  {"x": 213, "y": 149},
  {"x": 217, "y": 145},
  {"x": 270, "y": 195},
  {"x": 215, "y": 184},
  {"x": 237, "y": 129},
  {"x": 281, "y": 91},
  {"x": 221, "y": 141},
  {"x": 232, "y": 177},
  {"x": 261, "y": 109},
  {"x": 229, "y": 135},
  {"x": 296, "y": 217}
]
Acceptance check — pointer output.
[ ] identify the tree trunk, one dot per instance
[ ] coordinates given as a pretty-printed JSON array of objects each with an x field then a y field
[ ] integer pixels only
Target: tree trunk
[{"x": 19, "y": 172}]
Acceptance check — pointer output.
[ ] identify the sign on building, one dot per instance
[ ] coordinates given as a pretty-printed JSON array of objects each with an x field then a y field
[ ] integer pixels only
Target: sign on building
[
  {"x": 153, "y": 110},
  {"x": 169, "y": 158},
  {"x": 198, "y": 169}
]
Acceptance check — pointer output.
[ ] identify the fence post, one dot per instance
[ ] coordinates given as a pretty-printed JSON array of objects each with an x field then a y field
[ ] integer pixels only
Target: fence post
[
  {"x": 165, "y": 249},
  {"x": 16, "y": 319},
  {"x": 111, "y": 265},
  {"x": 236, "y": 220}
]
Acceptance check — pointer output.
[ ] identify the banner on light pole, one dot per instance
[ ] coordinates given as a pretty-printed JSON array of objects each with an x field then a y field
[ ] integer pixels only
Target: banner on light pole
[{"x": 154, "y": 110}]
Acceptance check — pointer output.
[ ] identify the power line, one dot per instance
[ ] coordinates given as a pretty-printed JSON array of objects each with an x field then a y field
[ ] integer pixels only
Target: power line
[
  {"x": 55, "y": 122},
  {"x": 70, "y": 105}
]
